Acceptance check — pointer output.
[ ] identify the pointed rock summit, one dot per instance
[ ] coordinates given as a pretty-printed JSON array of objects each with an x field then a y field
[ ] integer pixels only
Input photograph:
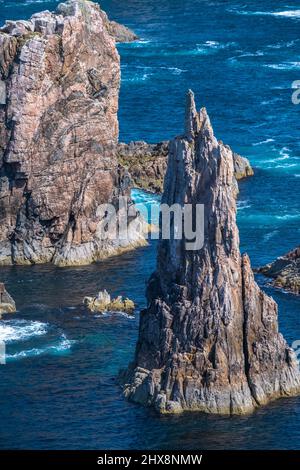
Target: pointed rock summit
[{"x": 209, "y": 338}]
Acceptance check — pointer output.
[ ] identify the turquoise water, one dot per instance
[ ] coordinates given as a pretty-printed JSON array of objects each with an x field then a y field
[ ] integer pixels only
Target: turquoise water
[{"x": 58, "y": 387}]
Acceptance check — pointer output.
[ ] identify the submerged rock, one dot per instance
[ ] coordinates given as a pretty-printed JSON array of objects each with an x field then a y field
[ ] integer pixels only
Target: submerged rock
[
  {"x": 59, "y": 87},
  {"x": 285, "y": 271},
  {"x": 147, "y": 164},
  {"x": 7, "y": 303},
  {"x": 104, "y": 303},
  {"x": 208, "y": 339}
]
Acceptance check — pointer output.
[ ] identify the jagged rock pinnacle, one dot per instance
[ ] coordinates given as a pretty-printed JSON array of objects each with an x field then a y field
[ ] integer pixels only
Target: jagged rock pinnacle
[{"x": 208, "y": 339}]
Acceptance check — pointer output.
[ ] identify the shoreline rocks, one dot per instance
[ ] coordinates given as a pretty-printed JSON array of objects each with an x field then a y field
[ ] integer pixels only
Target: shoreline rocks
[
  {"x": 7, "y": 303},
  {"x": 285, "y": 271},
  {"x": 104, "y": 303},
  {"x": 208, "y": 339},
  {"x": 59, "y": 89},
  {"x": 147, "y": 164}
]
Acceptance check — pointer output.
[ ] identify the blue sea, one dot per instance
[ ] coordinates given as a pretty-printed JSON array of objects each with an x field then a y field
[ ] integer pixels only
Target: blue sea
[{"x": 58, "y": 389}]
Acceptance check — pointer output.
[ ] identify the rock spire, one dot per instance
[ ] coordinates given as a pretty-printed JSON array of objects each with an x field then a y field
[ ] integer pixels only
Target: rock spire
[{"x": 208, "y": 339}]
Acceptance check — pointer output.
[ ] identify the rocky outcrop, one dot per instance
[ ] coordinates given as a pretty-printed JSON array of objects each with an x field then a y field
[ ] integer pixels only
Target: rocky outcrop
[
  {"x": 285, "y": 271},
  {"x": 59, "y": 86},
  {"x": 120, "y": 32},
  {"x": 147, "y": 164},
  {"x": 104, "y": 303},
  {"x": 242, "y": 167},
  {"x": 208, "y": 339},
  {"x": 7, "y": 303}
]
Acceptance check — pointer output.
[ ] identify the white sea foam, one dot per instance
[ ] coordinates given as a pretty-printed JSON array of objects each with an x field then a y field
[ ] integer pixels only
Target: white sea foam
[
  {"x": 141, "y": 41},
  {"x": 285, "y": 14},
  {"x": 209, "y": 47},
  {"x": 21, "y": 330},
  {"x": 24, "y": 3},
  {"x": 271, "y": 101},
  {"x": 287, "y": 216},
  {"x": 137, "y": 78},
  {"x": 142, "y": 73},
  {"x": 174, "y": 70},
  {"x": 262, "y": 142},
  {"x": 282, "y": 44},
  {"x": 289, "y": 13},
  {"x": 242, "y": 205},
  {"x": 289, "y": 165},
  {"x": 111, "y": 314},
  {"x": 284, "y": 153}
]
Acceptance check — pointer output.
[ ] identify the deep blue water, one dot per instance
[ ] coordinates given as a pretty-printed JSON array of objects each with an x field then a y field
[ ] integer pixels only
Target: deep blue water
[{"x": 58, "y": 387}]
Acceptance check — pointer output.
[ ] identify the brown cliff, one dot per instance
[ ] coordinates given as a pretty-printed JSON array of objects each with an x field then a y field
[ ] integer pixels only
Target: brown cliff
[
  {"x": 209, "y": 338},
  {"x": 59, "y": 86},
  {"x": 147, "y": 164}
]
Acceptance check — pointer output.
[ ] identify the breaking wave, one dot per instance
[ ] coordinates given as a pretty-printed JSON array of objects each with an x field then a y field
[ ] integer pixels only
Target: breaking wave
[{"x": 21, "y": 330}]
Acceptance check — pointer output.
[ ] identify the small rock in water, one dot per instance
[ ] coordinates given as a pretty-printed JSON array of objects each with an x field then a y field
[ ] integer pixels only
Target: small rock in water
[
  {"x": 7, "y": 303},
  {"x": 104, "y": 303}
]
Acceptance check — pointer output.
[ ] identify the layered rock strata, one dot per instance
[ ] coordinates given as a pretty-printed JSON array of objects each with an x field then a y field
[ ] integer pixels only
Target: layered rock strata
[
  {"x": 59, "y": 86},
  {"x": 285, "y": 271},
  {"x": 208, "y": 339},
  {"x": 147, "y": 164}
]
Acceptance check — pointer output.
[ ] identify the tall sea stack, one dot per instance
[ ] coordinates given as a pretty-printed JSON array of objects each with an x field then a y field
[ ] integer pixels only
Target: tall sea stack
[
  {"x": 59, "y": 88},
  {"x": 209, "y": 338}
]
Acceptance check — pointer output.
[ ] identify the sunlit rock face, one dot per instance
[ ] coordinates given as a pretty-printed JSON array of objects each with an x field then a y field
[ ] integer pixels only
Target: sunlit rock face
[
  {"x": 59, "y": 86},
  {"x": 209, "y": 338}
]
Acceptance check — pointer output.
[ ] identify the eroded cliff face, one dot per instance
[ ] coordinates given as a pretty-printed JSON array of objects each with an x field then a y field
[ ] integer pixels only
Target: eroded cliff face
[
  {"x": 209, "y": 338},
  {"x": 59, "y": 86}
]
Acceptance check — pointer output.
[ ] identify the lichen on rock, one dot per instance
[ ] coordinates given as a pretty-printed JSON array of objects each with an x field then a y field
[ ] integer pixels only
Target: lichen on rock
[
  {"x": 208, "y": 339},
  {"x": 104, "y": 303}
]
